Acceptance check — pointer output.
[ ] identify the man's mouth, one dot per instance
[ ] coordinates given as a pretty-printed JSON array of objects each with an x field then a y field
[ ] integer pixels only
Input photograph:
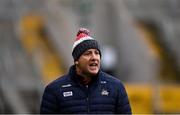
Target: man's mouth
[{"x": 93, "y": 65}]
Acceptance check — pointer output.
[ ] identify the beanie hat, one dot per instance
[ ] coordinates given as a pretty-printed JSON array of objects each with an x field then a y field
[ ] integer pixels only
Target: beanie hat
[{"x": 83, "y": 42}]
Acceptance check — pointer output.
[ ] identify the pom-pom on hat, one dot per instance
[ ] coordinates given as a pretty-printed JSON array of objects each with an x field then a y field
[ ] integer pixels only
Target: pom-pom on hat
[{"x": 83, "y": 42}]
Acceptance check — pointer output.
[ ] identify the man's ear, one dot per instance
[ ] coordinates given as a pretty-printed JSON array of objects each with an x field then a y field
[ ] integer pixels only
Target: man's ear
[{"x": 76, "y": 62}]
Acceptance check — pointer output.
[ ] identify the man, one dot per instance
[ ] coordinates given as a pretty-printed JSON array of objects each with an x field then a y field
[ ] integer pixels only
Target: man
[{"x": 85, "y": 88}]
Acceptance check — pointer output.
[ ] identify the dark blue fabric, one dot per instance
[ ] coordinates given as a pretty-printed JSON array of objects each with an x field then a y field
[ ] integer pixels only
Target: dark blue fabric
[{"x": 105, "y": 94}]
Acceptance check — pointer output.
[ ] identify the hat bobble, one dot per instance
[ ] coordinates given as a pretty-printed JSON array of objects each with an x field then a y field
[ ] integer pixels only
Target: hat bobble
[
  {"x": 83, "y": 42},
  {"x": 84, "y": 31}
]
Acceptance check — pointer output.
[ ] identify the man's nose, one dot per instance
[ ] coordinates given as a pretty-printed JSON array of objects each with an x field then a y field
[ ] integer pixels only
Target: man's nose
[{"x": 94, "y": 56}]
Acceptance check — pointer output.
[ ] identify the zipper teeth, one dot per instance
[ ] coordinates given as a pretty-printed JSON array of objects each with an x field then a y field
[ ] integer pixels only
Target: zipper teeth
[
  {"x": 88, "y": 103},
  {"x": 87, "y": 98}
]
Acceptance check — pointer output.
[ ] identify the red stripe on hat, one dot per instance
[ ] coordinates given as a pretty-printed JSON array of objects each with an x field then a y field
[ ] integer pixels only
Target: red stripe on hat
[{"x": 81, "y": 35}]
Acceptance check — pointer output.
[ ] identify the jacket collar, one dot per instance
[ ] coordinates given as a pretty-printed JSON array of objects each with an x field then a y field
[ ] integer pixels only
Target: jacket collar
[{"x": 75, "y": 77}]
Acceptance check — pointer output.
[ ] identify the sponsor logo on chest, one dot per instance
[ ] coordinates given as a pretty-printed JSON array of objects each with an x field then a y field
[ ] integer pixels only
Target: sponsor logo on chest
[{"x": 68, "y": 93}]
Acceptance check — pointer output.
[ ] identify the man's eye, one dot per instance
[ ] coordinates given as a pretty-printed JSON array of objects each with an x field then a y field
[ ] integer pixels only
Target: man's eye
[
  {"x": 96, "y": 52},
  {"x": 86, "y": 53}
]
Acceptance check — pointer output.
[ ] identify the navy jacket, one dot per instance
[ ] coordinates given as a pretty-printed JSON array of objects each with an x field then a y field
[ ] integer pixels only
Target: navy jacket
[{"x": 105, "y": 94}]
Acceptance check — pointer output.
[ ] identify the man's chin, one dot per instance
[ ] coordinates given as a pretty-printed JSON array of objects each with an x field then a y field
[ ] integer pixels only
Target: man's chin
[{"x": 95, "y": 72}]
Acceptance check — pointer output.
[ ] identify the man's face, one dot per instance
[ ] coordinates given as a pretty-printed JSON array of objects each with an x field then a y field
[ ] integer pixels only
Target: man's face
[{"x": 88, "y": 63}]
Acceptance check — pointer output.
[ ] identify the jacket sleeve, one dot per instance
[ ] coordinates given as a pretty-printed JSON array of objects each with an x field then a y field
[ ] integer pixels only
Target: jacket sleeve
[
  {"x": 49, "y": 102},
  {"x": 123, "y": 105}
]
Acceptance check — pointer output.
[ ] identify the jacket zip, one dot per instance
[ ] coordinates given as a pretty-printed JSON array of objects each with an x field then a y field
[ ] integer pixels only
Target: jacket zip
[{"x": 87, "y": 99}]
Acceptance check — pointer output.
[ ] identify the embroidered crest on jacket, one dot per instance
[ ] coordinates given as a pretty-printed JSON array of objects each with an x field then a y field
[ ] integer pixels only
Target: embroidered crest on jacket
[{"x": 104, "y": 92}]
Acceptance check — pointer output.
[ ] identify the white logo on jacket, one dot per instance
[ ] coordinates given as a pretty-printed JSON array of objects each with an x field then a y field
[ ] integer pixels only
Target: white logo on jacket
[
  {"x": 67, "y": 85},
  {"x": 67, "y": 94}
]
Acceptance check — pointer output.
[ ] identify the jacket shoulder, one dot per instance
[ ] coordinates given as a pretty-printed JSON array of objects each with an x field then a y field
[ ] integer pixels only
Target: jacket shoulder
[
  {"x": 54, "y": 85},
  {"x": 111, "y": 79},
  {"x": 114, "y": 82}
]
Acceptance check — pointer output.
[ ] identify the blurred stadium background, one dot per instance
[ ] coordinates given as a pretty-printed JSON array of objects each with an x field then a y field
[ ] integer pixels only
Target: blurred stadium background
[{"x": 140, "y": 45}]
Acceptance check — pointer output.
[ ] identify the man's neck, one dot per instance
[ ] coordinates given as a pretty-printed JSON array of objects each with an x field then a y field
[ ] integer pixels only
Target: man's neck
[{"x": 84, "y": 79}]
